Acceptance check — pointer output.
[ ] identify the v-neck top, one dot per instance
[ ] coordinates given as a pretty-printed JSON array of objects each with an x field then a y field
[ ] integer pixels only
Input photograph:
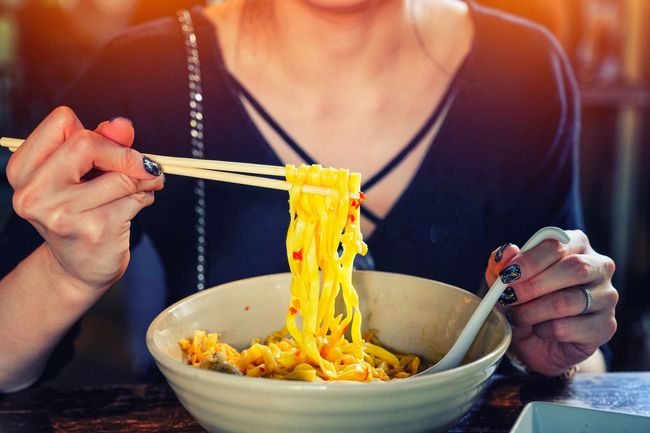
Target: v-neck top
[
  {"x": 436, "y": 116},
  {"x": 503, "y": 163}
]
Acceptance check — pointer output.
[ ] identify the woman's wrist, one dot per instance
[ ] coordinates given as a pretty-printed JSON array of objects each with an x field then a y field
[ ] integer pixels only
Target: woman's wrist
[
  {"x": 50, "y": 295},
  {"x": 564, "y": 375},
  {"x": 69, "y": 286}
]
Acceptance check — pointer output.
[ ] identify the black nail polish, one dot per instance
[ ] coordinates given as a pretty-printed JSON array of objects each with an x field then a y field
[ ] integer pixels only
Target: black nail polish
[
  {"x": 499, "y": 253},
  {"x": 510, "y": 274},
  {"x": 151, "y": 166},
  {"x": 121, "y": 117},
  {"x": 509, "y": 296}
]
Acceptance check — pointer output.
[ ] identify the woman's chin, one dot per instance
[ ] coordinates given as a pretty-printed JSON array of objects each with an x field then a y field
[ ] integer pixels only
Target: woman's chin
[{"x": 342, "y": 5}]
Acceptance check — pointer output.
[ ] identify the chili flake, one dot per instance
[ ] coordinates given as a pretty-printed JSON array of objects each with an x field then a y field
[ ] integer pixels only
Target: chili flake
[
  {"x": 297, "y": 255},
  {"x": 356, "y": 202}
]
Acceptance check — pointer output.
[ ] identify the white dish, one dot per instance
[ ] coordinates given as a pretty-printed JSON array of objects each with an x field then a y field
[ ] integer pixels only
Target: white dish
[
  {"x": 411, "y": 315},
  {"x": 540, "y": 417}
]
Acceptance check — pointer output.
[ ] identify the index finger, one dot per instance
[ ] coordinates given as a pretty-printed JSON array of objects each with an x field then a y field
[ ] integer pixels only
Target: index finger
[
  {"x": 527, "y": 270},
  {"x": 54, "y": 130},
  {"x": 88, "y": 150}
]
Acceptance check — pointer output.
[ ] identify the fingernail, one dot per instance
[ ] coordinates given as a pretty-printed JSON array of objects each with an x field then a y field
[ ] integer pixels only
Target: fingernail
[
  {"x": 151, "y": 166},
  {"x": 510, "y": 274},
  {"x": 509, "y": 296},
  {"x": 499, "y": 253},
  {"x": 121, "y": 117}
]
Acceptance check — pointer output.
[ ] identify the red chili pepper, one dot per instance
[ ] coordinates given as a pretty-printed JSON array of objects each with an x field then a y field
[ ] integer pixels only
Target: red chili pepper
[
  {"x": 297, "y": 255},
  {"x": 356, "y": 203}
]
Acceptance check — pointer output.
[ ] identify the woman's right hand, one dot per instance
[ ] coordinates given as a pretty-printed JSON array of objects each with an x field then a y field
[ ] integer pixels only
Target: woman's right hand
[{"x": 84, "y": 220}]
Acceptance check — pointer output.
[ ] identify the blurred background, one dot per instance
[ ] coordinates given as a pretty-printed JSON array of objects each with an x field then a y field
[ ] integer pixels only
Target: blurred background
[{"x": 45, "y": 43}]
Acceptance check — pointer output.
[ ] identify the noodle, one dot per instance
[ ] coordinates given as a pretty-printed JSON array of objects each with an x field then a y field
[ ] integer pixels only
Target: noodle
[{"x": 316, "y": 347}]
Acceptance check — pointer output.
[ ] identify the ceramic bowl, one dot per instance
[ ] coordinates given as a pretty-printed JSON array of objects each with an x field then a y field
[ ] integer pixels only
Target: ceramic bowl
[{"x": 411, "y": 314}]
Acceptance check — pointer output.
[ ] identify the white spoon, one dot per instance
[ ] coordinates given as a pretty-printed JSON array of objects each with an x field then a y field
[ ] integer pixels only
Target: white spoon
[{"x": 455, "y": 356}]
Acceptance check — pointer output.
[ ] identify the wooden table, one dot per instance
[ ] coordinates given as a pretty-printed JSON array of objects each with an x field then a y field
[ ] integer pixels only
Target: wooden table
[{"x": 154, "y": 408}]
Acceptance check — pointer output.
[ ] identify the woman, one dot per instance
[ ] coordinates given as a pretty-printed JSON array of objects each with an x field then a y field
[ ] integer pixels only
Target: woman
[{"x": 485, "y": 104}]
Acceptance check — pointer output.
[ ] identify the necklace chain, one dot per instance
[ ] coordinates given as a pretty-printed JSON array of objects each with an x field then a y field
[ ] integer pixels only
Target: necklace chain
[{"x": 196, "y": 138}]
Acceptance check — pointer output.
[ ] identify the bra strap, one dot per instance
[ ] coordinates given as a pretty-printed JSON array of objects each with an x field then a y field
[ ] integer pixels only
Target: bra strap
[
  {"x": 434, "y": 118},
  {"x": 432, "y": 122},
  {"x": 243, "y": 91},
  {"x": 271, "y": 121}
]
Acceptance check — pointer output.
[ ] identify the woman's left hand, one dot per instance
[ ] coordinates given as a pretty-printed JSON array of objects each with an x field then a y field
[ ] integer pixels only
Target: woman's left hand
[{"x": 553, "y": 329}]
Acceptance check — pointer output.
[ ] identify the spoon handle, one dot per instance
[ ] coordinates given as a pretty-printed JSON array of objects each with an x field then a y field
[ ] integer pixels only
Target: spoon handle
[{"x": 455, "y": 356}]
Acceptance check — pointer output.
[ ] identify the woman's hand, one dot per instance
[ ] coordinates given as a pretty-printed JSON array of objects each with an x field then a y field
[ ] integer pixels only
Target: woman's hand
[
  {"x": 547, "y": 303},
  {"x": 80, "y": 189}
]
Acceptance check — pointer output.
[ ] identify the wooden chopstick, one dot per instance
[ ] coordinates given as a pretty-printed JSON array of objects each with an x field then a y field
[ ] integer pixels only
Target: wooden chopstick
[
  {"x": 11, "y": 143},
  {"x": 222, "y": 171},
  {"x": 238, "y": 167},
  {"x": 242, "y": 179}
]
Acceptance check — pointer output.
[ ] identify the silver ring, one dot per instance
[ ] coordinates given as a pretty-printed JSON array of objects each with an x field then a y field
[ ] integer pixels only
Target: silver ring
[{"x": 590, "y": 301}]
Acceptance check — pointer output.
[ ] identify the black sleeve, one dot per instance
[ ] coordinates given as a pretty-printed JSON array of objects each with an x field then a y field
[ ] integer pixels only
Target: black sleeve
[
  {"x": 545, "y": 187},
  {"x": 17, "y": 241}
]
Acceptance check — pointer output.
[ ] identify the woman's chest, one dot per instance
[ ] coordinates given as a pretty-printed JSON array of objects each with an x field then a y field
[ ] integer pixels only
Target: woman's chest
[{"x": 387, "y": 146}]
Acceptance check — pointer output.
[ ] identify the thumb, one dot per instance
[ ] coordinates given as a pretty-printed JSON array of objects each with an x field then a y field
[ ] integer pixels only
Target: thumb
[{"x": 118, "y": 129}]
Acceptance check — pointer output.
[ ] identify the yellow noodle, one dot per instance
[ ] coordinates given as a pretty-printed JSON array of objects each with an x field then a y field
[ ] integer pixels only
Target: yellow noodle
[{"x": 316, "y": 346}]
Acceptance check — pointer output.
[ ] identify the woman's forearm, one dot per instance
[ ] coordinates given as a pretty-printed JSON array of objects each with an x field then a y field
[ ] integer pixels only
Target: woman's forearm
[
  {"x": 39, "y": 302},
  {"x": 86, "y": 226}
]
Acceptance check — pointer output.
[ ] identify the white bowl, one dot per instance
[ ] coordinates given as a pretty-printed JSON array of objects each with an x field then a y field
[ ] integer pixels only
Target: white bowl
[{"x": 411, "y": 314}]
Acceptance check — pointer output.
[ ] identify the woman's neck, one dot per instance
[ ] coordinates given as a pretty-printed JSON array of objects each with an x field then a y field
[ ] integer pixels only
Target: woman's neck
[
  {"x": 309, "y": 43},
  {"x": 321, "y": 41}
]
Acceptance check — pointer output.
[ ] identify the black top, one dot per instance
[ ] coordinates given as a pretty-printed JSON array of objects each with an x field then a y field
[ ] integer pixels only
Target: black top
[{"x": 503, "y": 164}]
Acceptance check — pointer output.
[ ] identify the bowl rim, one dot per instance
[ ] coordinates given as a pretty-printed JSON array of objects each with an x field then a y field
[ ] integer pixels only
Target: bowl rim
[{"x": 261, "y": 384}]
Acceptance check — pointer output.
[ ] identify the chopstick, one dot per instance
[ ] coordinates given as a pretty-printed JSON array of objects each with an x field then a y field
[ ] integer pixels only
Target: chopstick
[
  {"x": 10, "y": 143},
  {"x": 241, "y": 179},
  {"x": 239, "y": 167},
  {"x": 222, "y": 171}
]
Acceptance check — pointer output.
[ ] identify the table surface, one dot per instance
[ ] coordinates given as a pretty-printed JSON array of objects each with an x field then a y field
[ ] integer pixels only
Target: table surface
[{"x": 154, "y": 408}]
